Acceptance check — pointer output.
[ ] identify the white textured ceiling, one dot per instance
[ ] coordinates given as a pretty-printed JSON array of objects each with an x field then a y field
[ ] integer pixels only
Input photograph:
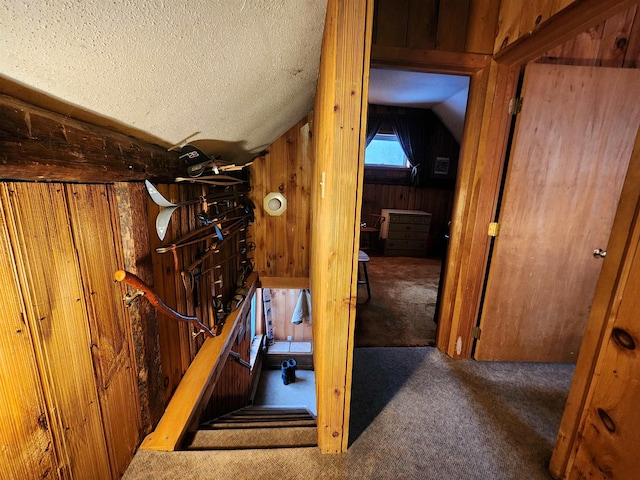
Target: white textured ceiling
[
  {"x": 236, "y": 73},
  {"x": 446, "y": 95}
]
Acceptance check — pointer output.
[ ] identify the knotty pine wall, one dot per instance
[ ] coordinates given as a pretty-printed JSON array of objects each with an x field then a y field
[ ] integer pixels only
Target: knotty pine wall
[
  {"x": 283, "y": 243},
  {"x": 613, "y": 43}
]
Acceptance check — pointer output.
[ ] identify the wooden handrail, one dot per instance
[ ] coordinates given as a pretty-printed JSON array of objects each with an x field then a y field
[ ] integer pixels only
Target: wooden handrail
[{"x": 197, "y": 384}]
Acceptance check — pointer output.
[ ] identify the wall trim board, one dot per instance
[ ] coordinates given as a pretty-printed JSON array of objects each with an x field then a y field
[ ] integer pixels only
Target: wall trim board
[
  {"x": 433, "y": 60},
  {"x": 564, "y": 25}
]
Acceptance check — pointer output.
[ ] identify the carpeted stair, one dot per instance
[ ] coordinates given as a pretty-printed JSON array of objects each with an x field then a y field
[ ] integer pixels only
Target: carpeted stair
[{"x": 258, "y": 427}]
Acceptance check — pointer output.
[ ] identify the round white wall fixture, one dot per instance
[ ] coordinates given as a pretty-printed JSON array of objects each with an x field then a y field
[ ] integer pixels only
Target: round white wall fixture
[{"x": 275, "y": 204}]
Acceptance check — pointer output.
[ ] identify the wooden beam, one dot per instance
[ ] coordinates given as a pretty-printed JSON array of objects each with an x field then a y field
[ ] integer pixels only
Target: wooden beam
[
  {"x": 38, "y": 145},
  {"x": 564, "y": 25},
  {"x": 433, "y": 60},
  {"x": 195, "y": 388}
]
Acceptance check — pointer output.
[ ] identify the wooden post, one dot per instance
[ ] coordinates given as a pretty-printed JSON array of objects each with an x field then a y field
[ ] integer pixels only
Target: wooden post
[{"x": 339, "y": 124}]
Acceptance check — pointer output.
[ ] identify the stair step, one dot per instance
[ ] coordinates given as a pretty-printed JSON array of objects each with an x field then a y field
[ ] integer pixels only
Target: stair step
[
  {"x": 258, "y": 427},
  {"x": 262, "y": 417},
  {"x": 246, "y": 438}
]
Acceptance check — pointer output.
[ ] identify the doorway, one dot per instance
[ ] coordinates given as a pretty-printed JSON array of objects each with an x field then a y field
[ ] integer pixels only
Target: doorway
[{"x": 415, "y": 126}]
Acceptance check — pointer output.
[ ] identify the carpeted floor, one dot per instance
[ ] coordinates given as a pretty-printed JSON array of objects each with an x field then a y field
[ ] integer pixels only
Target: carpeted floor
[
  {"x": 403, "y": 299},
  {"x": 416, "y": 414}
]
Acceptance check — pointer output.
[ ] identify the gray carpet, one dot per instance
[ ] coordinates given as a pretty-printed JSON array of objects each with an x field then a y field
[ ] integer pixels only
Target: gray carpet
[{"x": 416, "y": 414}]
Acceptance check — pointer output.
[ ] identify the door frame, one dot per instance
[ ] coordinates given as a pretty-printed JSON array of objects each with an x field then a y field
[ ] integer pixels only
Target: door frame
[{"x": 483, "y": 156}]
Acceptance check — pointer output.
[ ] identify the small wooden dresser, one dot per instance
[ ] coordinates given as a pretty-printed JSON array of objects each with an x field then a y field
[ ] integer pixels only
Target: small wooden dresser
[{"x": 405, "y": 232}]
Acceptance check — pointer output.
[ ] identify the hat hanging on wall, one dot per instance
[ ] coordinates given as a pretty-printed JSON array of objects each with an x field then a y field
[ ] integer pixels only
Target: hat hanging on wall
[{"x": 275, "y": 204}]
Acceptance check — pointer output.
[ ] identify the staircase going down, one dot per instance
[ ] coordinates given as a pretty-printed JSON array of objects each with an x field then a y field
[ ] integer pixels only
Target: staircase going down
[{"x": 258, "y": 427}]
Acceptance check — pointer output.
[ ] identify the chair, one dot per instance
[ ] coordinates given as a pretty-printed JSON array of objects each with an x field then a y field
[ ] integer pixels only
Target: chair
[{"x": 363, "y": 259}]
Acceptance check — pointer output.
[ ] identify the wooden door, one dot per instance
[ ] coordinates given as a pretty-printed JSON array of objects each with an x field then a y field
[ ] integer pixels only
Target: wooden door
[{"x": 569, "y": 158}]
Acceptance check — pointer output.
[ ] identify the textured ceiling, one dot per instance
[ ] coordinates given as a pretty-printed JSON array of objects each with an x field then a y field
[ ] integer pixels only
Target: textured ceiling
[{"x": 230, "y": 75}]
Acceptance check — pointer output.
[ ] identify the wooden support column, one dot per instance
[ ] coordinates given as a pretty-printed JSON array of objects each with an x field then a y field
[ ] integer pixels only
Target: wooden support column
[
  {"x": 339, "y": 124},
  {"x": 38, "y": 145}
]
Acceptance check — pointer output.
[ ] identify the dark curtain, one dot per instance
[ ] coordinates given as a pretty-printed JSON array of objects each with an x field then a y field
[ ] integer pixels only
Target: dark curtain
[
  {"x": 412, "y": 130},
  {"x": 374, "y": 122}
]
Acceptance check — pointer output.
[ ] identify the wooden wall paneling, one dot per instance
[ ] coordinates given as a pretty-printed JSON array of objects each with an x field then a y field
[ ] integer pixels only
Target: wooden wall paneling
[
  {"x": 233, "y": 388},
  {"x": 302, "y": 227},
  {"x": 482, "y": 25},
  {"x": 57, "y": 313},
  {"x": 283, "y": 304},
  {"x": 615, "y": 38},
  {"x": 534, "y": 13},
  {"x": 563, "y": 25},
  {"x": 452, "y": 25},
  {"x": 91, "y": 208},
  {"x": 422, "y": 22},
  {"x": 339, "y": 127},
  {"x": 282, "y": 243},
  {"x": 163, "y": 282},
  {"x": 391, "y": 22},
  {"x": 258, "y": 229},
  {"x": 132, "y": 222},
  {"x": 632, "y": 55},
  {"x": 508, "y": 24},
  {"x": 581, "y": 50},
  {"x": 26, "y": 443}
]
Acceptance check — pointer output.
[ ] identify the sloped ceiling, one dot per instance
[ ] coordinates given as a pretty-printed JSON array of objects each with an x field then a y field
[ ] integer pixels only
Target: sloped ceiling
[
  {"x": 229, "y": 75},
  {"x": 446, "y": 95}
]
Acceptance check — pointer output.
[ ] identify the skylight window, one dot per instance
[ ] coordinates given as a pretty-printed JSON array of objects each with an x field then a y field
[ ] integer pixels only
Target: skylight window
[{"x": 385, "y": 150}]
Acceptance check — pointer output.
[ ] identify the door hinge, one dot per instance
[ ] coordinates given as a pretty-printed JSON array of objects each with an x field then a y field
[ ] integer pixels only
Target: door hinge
[
  {"x": 475, "y": 332},
  {"x": 494, "y": 229},
  {"x": 515, "y": 106}
]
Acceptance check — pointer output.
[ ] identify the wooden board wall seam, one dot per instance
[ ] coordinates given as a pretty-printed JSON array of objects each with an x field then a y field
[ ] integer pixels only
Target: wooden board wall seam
[
  {"x": 40, "y": 211},
  {"x": 29, "y": 447}
]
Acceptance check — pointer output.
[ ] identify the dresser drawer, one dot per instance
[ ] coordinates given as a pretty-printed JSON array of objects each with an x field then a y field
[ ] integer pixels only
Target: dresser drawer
[
  {"x": 408, "y": 218},
  {"x": 408, "y": 235},
  {"x": 409, "y": 227},
  {"x": 392, "y": 244}
]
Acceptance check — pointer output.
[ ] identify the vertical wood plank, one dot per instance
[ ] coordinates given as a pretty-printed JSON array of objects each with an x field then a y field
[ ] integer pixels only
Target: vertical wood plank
[
  {"x": 508, "y": 24},
  {"x": 339, "y": 124},
  {"x": 25, "y": 437},
  {"x": 421, "y": 24},
  {"x": 282, "y": 243},
  {"x": 632, "y": 55},
  {"x": 452, "y": 25},
  {"x": 57, "y": 309},
  {"x": 615, "y": 38},
  {"x": 391, "y": 22},
  {"x": 90, "y": 210},
  {"x": 482, "y": 26}
]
